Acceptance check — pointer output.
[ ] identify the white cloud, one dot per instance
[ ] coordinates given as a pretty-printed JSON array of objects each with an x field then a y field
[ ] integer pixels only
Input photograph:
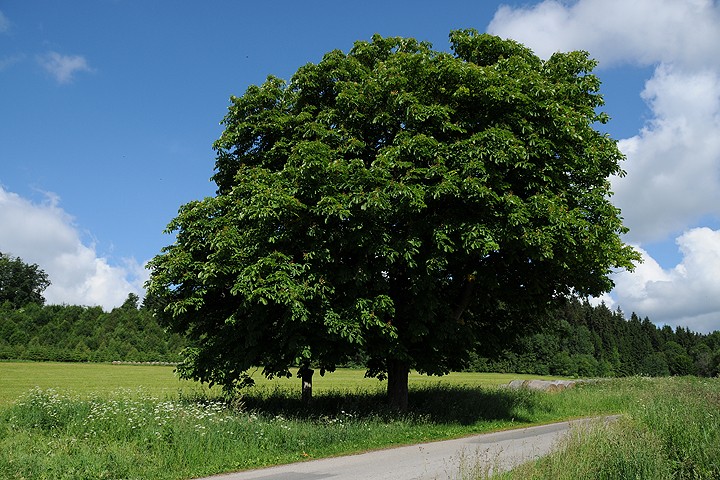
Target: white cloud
[
  {"x": 673, "y": 164},
  {"x": 617, "y": 31},
  {"x": 687, "y": 294},
  {"x": 63, "y": 67},
  {"x": 43, "y": 233}
]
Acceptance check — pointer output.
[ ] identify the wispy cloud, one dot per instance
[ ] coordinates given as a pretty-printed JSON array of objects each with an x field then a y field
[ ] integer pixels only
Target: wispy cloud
[
  {"x": 8, "y": 62},
  {"x": 4, "y": 23},
  {"x": 64, "y": 67}
]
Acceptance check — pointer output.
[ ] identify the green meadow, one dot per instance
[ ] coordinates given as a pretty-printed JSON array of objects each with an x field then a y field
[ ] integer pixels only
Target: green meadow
[
  {"x": 83, "y": 379},
  {"x": 90, "y": 421}
]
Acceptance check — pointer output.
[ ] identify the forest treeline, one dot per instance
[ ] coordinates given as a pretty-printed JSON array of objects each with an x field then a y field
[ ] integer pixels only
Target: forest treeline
[
  {"x": 71, "y": 333},
  {"x": 583, "y": 340},
  {"x": 578, "y": 339}
]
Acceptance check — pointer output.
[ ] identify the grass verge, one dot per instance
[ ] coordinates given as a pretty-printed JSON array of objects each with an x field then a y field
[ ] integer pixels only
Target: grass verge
[{"x": 670, "y": 430}]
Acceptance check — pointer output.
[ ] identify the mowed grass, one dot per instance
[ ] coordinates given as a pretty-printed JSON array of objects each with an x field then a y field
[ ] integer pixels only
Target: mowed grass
[
  {"x": 16, "y": 378},
  {"x": 83, "y": 379}
]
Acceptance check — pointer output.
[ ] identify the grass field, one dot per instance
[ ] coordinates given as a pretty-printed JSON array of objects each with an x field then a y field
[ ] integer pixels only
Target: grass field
[
  {"x": 81, "y": 379},
  {"x": 81, "y": 421},
  {"x": 126, "y": 421}
]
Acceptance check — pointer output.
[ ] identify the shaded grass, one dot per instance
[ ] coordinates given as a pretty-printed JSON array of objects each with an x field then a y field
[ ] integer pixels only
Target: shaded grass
[{"x": 466, "y": 406}]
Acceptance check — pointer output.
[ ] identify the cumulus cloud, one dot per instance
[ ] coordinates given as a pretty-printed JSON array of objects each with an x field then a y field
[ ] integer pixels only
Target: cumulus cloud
[
  {"x": 673, "y": 162},
  {"x": 673, "y": 166},
  {"x": 43, "y": 233},
  {"x": 617, "y": 31},
  {"x": 63, "y": 67},
  {"x": 687, "y": 294}
]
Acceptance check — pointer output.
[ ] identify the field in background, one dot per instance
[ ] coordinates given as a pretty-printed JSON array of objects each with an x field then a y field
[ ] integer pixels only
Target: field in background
[{"x": 16, "y": 378}]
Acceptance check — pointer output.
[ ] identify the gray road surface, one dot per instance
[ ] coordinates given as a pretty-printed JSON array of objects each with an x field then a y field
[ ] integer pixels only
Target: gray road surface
[{"x": 450, "y": 459}]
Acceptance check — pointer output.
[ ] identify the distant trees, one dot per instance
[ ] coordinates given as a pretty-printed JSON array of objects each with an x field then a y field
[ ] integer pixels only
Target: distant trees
[
  {"x": 593, "y": 341},
  {"x": 577, "y": 339},
  {"x": 21, "y": 283},
  {"x": 85, "y": 334}
]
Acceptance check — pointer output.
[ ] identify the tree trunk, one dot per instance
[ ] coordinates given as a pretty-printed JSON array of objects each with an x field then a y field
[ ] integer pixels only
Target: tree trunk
[
  {"x": 306, "y": 374},
  {"x": 397, "y": 389}
]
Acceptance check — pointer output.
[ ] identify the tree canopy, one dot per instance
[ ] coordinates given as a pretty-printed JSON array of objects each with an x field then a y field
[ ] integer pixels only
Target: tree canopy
[
  {"x": 21, "y": 283},
  {"x": 401, "y": 202}
]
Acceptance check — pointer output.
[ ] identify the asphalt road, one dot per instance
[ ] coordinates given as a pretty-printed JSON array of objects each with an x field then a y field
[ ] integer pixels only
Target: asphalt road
[{"x": 450, "y": 459}]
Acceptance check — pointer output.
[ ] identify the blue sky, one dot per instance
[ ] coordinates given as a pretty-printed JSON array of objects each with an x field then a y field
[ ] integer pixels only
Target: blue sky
[{"x": 109, "y": 108}]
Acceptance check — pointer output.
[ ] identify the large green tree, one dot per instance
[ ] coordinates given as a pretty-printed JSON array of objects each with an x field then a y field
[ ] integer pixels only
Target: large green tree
[
  {"x": 21, "y": 283},
  {"x": 397, "y": 201}
]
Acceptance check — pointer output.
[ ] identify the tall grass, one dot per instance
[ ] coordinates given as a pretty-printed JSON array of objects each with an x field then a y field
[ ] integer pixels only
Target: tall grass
[{"x": 670, "y": 430}]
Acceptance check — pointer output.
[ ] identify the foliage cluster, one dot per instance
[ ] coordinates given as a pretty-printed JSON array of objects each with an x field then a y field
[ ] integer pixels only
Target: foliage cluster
[
  {"x": 583, "y": 340},
  {"x": 21, "y": 283},
  {"x": 398, "y": 201},
  {"x": 85, "y": 334}
]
